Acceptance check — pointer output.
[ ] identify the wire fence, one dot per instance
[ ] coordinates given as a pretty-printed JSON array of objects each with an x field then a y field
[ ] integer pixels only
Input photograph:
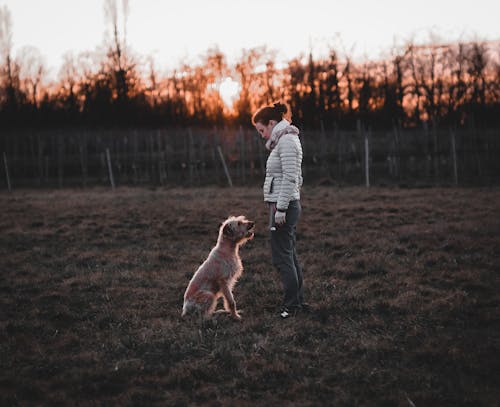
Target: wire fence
[{"x": 197, "y": 157}]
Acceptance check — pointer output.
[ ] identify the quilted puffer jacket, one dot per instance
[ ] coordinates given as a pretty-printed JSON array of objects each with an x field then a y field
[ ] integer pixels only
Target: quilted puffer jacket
[{"x": 284, "y": 166}]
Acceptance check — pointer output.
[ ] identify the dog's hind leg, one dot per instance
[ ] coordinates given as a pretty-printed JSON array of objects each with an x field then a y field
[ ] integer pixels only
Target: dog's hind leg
[{"x": 206, "y": 302}]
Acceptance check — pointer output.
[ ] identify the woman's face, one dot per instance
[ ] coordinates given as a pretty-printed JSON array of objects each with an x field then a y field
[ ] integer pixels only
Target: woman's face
[{"x": 265, "y": 131}]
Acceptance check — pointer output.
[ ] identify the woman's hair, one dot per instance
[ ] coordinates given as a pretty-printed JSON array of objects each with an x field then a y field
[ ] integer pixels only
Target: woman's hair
[{"x": 277, "y": 111}]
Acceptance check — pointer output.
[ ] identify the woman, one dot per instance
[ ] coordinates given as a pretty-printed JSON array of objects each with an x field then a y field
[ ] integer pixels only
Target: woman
[{"x": 282, "y": 193}]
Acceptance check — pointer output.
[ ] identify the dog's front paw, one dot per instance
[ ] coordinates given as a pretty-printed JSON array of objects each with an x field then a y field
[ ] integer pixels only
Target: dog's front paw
[{"x": 237, "y": 316}]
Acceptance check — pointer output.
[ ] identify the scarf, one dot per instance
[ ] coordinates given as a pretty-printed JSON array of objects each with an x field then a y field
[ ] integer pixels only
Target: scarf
[{"x": 282, "y": 128}]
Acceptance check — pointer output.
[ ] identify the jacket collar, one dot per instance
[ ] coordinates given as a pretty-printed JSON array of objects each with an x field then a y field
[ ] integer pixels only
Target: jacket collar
[{"x": 281, "y": 128}]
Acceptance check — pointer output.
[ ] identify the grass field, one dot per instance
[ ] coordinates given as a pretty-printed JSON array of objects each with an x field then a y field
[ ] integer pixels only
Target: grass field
[{"x": 404, "y": 285}]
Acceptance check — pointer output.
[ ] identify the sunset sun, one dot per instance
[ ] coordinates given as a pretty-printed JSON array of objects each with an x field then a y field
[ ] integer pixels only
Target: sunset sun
[{"x": 229, "y": 90}]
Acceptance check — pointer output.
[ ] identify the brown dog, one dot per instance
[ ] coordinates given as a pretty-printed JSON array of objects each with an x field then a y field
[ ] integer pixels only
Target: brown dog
[{"x": 216, "y": 277}]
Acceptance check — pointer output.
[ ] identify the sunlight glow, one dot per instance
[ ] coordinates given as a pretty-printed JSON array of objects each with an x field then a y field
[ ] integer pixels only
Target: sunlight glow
[{"x": 229, "y": 91}]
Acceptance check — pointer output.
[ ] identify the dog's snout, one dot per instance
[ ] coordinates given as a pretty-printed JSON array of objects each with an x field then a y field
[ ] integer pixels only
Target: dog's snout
[{"x": 250, "y": 225}]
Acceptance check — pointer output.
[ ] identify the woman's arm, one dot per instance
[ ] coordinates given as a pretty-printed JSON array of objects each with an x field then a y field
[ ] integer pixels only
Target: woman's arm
[{"x": 290, "y": 153}]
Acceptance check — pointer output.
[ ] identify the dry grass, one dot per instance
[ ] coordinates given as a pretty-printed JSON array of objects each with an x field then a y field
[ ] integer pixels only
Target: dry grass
[{"x": 404, "y": 284}]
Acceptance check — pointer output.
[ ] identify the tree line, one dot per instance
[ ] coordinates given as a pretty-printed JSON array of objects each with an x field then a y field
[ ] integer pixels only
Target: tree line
[{"x": 442, "y": 84}]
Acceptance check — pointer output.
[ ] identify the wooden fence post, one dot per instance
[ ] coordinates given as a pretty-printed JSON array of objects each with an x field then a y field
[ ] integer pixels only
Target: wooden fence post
[
  {"x": 202, "y": 159},
  {"x": 193, "y": 168},
  {"x": 251, "y": 154},
  {"x": 228, "y": 176},
  {"x": 110, "y": 170},
  {"x": 40, "y": 158},
  {"x": 82, "y": 148},
  {"x": 476, "y": 147},
  {"x": 190, "y": 156},
  {"x": 60, "y": 159},
  {"x": 46, "y": 168},
  {"x": 338, "y": 137},
  {"x": 7, "y": 171},
  {"x": 151, "y": 157},
  {"x": 261, "y": 155},
  {"x": 241, "y": 136},
  {"x": 364, "y": 135},
  {"x": 161, "y": 158},
  {"x": 425, "y": 125},
  {"x": 215, "y": 143},
  {"x": 135, "y": 158},
  {"x": 397, "y": 149},
  {"x": 367, "y": 161},
  {"x": 435, "y": 146},
  {"x": 325, "y": 165},
  {"x": 454, "y": 157}
]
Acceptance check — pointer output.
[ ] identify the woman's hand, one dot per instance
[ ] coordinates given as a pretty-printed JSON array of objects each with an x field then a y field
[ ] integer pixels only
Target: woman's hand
[{"x": 280, "y": 218}]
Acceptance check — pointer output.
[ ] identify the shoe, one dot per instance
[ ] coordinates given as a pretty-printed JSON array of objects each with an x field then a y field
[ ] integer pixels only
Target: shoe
[
  {"x": 288, "y": 312},
  {"x": 304, "y": 307}
]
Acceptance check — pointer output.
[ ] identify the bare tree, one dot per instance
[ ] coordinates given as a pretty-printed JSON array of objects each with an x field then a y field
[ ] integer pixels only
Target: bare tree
[
  {"x": 348, "y": 76},
  {"x": 270, "y": 77},
  {"x": 477, "y": 70},
  {"x": 9, "y": 69},
  {"x": 456, "y": 87},
  {"x": 153, "y": 87},
  {"x": 216, "y": 69},
  {"x": 332, "y": 88},
  {"x": 31, "y": 72},
  {"x": 87, "y": 70},
  {"x": 296, "y": 87},
  {"x": 401, "y": 85},
  {"x": 118, "y": 53},
  {"x": 68, "y": 78},
  {"x": 366, "y": 88},
  {"x": 245, "y": 69},
  {"x": 495, "y": 83},
  {"x": 415, "y": 88}
]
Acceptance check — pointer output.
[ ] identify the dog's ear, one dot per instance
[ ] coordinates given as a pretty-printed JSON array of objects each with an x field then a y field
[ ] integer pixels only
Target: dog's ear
[{"x": 228, "y": 230}]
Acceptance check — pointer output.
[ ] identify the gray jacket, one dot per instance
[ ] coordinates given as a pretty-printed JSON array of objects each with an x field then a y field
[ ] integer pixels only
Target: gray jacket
[{"x": 284, "y": 166}]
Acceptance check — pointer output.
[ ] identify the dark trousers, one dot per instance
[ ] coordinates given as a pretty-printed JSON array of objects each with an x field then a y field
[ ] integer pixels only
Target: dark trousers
[{"x": 284, "y": 254}]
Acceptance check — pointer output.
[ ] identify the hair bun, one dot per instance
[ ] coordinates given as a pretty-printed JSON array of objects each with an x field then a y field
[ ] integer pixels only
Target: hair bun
[{"x": 280, "y": 107}]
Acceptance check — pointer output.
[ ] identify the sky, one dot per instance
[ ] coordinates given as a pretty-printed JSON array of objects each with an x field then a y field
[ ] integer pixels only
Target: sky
[{"x": 174, "y": 31}]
